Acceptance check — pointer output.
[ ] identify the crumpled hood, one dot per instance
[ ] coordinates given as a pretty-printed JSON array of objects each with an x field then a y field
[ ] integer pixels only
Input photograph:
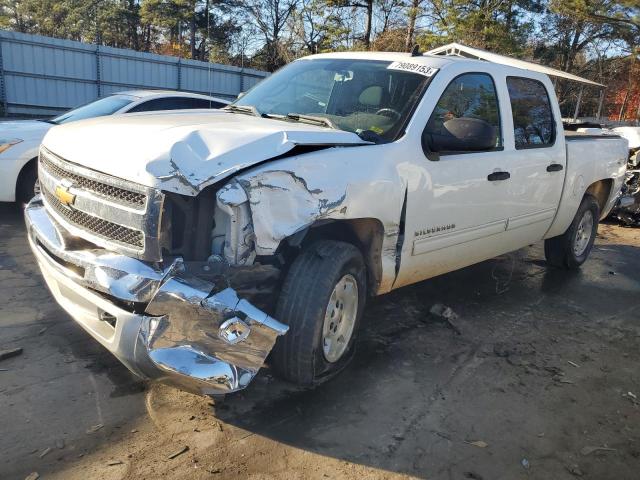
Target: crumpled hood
[{"x": 183, "y": 152}]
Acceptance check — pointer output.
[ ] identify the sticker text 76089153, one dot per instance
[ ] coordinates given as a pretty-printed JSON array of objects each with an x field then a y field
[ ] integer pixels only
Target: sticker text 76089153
[{"x": 413, "y": 67}]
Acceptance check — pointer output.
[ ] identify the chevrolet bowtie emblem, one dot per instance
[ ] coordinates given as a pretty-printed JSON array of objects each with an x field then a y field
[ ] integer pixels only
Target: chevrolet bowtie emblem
[{"x": 66, "y": 198}]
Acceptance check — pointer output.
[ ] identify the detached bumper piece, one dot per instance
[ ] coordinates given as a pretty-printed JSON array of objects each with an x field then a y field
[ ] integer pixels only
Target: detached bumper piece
[
  {"x": 190, "y": 334},
  {"x": 216, "y": 343}
]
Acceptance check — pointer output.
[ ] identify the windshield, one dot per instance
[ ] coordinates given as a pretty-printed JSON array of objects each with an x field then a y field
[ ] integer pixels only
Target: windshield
[
  {"x": 367, "y": 97},
  {"x": 99, "y": 108}
]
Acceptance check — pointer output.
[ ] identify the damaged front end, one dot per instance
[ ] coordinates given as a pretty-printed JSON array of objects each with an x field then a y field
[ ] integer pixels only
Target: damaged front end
[{"x": 164, "y": 324}]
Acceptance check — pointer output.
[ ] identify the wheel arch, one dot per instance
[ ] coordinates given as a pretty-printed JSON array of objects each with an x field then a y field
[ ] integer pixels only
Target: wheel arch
[
  {"x": 601, "y": 191},
  {"x": 32, "y": 163},
  {"x": 367, "y": 234}
]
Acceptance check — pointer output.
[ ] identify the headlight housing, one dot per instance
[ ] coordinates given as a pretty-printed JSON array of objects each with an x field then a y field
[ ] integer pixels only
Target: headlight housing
[{"x": 7, "y": 143}]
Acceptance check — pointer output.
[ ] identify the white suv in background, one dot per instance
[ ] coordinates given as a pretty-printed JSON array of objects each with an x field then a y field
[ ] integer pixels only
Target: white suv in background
[{"x": 20, "y": 140}]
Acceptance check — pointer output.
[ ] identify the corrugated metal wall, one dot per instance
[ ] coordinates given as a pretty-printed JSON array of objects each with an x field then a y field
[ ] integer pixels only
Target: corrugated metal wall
[{"x": 43, "y": 75}]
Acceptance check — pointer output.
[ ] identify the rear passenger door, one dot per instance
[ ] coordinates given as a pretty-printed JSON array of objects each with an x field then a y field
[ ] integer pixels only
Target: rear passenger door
[{"x": 536, "y": 161}]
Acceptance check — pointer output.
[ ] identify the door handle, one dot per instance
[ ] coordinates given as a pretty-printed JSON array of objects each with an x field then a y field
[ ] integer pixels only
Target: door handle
[
  {"x": 495, "y": 176},
  {"x": 554, "y": 167}
]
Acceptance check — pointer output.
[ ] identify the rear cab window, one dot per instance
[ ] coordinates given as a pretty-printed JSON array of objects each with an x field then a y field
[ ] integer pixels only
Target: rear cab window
[{"x": 533, "y": 122}]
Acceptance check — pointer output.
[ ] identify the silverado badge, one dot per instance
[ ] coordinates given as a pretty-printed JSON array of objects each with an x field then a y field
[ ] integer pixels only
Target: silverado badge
[
  {"x": 64, "y": 195},
  {"x": 432, "y": 230}
]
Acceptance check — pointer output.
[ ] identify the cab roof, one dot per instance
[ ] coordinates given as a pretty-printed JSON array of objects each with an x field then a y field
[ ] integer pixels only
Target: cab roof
[
  {"x": 430, "y": 60},
  {"x": 435, "y": 61},
  {"x": 454, "y": 53}
]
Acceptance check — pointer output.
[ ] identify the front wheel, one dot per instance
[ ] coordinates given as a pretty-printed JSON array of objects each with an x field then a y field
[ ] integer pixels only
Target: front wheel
[
  {"x": 322, "y": 301},
  {"x": 571, "y": 249}
]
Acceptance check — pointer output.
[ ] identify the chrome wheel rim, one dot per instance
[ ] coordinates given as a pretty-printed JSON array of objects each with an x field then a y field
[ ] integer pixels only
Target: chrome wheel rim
[
  {"x": 340, "y": 318},
  {"x": 583, "y": 234}
]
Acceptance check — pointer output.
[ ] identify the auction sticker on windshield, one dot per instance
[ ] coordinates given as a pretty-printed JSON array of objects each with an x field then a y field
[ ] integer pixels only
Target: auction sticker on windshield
[{"x": 413, "y": 67}]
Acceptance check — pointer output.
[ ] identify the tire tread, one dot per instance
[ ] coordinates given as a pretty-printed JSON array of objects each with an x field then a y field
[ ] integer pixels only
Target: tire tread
[{"x": 299, "y": 305}]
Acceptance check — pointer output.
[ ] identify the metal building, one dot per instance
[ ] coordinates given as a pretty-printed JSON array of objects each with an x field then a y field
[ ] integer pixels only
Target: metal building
[{"x": 42, "y": 76}]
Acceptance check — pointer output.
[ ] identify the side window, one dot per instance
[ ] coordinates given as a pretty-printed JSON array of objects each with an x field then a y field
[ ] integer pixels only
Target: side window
[
  {"x": 168, "y": 103},
  {"x": 204, "y": 103},
  {"x": 467, "y": 116},
  {"x": 533, "y": 124}
]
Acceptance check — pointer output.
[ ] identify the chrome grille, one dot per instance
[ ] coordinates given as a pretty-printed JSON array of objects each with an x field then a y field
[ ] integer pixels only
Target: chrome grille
[
  {"x": 109, "y": 192},
  {"x": 97, "y": 226},
  {"x": 112, "y": 213}
]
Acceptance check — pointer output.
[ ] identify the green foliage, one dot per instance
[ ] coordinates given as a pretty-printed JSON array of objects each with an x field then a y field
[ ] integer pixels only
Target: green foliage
[{"x": 496, "y": 25}]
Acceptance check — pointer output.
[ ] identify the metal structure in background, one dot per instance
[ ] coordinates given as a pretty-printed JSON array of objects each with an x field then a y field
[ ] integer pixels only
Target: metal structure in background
[
  {"x": 43, "y": 76},
  {"x": 457, "y": 49}
]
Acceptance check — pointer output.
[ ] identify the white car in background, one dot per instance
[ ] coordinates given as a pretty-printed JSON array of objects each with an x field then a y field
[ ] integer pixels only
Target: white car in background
[{"x": 20, "y": 139}]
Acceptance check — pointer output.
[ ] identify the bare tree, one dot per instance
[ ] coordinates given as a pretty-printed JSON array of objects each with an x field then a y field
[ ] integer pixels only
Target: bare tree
[
  {"x": 270, "y": 17},
  {"x": 389, "y": 13},
  {"x": 367, "y": 6}
]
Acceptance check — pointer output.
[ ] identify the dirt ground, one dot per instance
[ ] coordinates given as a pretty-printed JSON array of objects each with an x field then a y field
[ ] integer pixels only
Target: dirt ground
[{"x": 539, "y": 379}]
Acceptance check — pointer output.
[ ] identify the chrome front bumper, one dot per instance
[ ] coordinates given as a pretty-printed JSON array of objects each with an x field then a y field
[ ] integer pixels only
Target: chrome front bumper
[{"x": 189, "y": 334}]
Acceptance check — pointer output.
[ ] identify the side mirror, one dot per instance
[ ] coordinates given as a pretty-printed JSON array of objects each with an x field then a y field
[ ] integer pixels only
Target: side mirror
[
  {"x": 240, "y": 95},
  {"x": 459, "y": 135}
]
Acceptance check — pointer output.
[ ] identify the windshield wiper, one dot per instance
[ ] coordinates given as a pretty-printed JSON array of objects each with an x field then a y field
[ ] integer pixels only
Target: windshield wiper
[
  {"x": 48, "y": 120},
  {"x": 298, "y": 117},
  {"x": 246, "y": 109}
]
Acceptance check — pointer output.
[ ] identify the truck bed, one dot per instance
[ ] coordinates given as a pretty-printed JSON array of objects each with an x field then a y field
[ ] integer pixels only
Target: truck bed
[{"x": 590, "y": 158}]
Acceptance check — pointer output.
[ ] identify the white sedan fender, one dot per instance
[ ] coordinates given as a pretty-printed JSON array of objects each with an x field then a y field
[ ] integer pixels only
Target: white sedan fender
[{"x": 14, "y": 158}]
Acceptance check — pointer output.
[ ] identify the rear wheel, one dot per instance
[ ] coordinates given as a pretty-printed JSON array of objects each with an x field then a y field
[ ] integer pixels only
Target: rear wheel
[
  {"x": 322, "y": 301},
  {"x": 27, "y": 186},
  {"x": 571, "y": 249}
]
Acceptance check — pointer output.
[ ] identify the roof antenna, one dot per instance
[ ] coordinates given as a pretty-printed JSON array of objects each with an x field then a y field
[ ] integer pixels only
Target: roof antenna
[{"x": 415, "y": 51}]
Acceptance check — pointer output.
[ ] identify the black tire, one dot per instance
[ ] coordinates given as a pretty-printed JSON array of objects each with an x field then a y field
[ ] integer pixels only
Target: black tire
[
  {"x": 27, "y": 180},
  {"x": 559, "y": 250},
  {"x": 298, "y": 356}
]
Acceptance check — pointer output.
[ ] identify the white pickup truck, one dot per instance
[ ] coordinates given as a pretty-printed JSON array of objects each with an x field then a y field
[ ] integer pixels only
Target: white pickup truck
[{"x": 192, "y": 244}]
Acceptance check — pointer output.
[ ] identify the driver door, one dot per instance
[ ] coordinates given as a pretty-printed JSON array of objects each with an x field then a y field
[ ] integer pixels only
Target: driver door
[{"x": 457, "y": 206}]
